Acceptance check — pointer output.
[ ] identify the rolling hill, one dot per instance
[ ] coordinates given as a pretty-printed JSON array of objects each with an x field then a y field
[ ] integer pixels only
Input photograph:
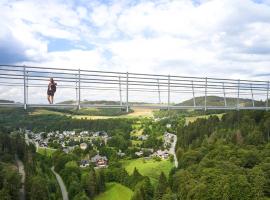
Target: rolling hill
[{"x": 219, "y": 101}]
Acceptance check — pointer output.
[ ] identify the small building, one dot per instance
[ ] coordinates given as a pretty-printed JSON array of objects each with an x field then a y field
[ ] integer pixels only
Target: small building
[
  {"x": 100, "y": 161},
  {"x": 84, "y": 163},
  {"x": 143, "y": 137},
  {"x": 120, "y": 153},
  {"x": 83, "y": 146},
  {"x": 139, "y": 153},
  {"x": 84, "y": 133},
  {"x": 162, "y": 154}
]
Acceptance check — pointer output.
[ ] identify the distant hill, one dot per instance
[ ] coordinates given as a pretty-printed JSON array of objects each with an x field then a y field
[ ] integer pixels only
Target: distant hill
[
  {"x": 100, "y": 102},
  {"x": 6, "y": 101},
  {"x": 219, "y": 101}
]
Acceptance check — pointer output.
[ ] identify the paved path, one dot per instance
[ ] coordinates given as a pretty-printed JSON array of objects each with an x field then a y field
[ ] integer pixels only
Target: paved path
[
  {"x": 172, "y": 149},
  {"x": 61, "y": 184},
  {"x": 22, "y": 173}
]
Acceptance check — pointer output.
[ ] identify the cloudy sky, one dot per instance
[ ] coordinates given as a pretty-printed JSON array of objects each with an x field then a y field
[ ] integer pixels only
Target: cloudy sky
[{"x": 216, "y": 38}]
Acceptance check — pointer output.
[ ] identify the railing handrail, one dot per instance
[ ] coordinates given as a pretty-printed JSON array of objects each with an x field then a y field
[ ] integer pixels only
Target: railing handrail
[{"x": 135, "y": 82}]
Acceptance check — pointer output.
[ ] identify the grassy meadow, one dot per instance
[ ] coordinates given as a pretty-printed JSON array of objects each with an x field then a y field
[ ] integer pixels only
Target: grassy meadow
[
  {"x": 115, "y": 191},
  {"x": 149, "y": 168}
]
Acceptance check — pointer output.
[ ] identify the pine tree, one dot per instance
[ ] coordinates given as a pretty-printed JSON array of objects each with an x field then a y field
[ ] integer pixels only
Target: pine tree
[
  {"x": 101, "y": 181},
  {"x": 136, "y": 177},
  {"x": 161, "y": 187}
]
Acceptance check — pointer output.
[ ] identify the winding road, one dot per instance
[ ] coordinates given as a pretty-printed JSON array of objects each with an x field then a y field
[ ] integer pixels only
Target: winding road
[
  {"x": 22, "y": 173},
  {"x": 58, "y": 177},
  {"x": 61, "y": 184}
]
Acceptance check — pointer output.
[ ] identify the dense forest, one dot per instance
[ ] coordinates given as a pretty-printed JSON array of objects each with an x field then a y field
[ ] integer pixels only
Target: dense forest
[
  {"x": 19, "y": 118},
  {"x": 224, "y": 159},
  {"x": 39, "y": 183}
]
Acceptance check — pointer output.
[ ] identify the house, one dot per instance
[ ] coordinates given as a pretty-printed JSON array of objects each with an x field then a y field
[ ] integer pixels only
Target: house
[
  {"x": 67, "y": 133},
  {"x": 148, "y": 150},
  {"x": 139, "y": 153},
  {"x": 83, "y": 146},
  {"x": 68, "y": 149},
  {"x": 43, "y": 144},
  {"x": 84, "y": 163},
  {"x": 143, "y": 137},
  {"x": 102, "y": 134},
  {"x": 162, "y": 154},
  {"x": 84, "y": 133},
  {"x": 100, "y": 161},
  {"x": 120, "y": 153}
]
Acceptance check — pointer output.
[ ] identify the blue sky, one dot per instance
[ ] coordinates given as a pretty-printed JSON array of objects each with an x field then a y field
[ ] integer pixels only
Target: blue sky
[{"x": 217, "y": 38}]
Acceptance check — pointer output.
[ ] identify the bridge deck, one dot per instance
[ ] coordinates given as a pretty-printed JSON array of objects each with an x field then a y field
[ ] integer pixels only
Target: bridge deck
[{"x": 159, "y": 91}]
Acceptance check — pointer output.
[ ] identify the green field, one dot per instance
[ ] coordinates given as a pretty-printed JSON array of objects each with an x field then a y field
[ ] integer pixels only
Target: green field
[
  {"x": 46, "y": 151},
  {"x": 136, "y": 142},
  {"x": 115, "y": 191},
  {"x": 150, "y": 168},
  {"x": 92, "y": 113},
  {"x": 194, "y": 118}
]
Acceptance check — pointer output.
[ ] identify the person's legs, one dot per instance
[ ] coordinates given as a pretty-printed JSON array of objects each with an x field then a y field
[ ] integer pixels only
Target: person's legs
[{"x": 49, "y": 100}]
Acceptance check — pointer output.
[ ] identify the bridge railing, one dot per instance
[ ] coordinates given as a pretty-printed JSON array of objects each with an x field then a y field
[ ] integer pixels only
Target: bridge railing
[{"x": 164, "y": 89}]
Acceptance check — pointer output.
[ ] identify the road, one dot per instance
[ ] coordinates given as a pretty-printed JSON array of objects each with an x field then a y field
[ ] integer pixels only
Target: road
[
  {"x": 61, "y": 184},
  {"x": 28, "y": 141},
  {"x": 172, "y": 149},
  {"x": 22, "y": 173}
]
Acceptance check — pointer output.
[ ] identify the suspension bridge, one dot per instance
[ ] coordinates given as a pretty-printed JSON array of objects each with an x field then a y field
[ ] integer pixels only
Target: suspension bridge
[{"x": 158, "y": 91}]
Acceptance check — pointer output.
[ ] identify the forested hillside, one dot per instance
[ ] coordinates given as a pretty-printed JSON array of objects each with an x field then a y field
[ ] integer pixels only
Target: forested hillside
[
  {"x": 18, "y": 118},
  {"x": 227, "y": 159},
  {"x": 39, "y": 183}
]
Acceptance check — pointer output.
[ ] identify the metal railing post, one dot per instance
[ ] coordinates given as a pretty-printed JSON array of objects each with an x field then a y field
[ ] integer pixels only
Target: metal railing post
[
  {"x": 224, "y": 93},
  {"x": 169, "y": 92},
  {"x": 24, "y": 88},
  {"x": 252, "y": 96},
  {"x": 27, "y": 86},
  {"x": 79, "y": 91},
  {"x": 76, "y": 88},
  {"x": 127, "y": 108},
  {"x": 205, "y": 95},
  {"x": 159, "y": 99},
  {"x": 193, "y": 93},
  {"x": 238, "y": 94},
  {"x": 120, "y": 92},
  {"x": 267, "y": 96}
]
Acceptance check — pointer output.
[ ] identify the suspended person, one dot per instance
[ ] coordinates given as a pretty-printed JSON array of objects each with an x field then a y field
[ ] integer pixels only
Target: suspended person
[{"x": 51, "y": 90}]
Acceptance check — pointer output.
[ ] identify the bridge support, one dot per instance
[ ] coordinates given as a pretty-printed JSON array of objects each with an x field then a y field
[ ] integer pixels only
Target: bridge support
[
  {"x": 238, "y": 95},
  {"x": 79, "y": 89},
  {"x": 24, "y": 88},
  {"x": 127, "y": 106},
  {"x": 224, "y": 94},
  {"x": 205, "y": 95},
  {"x": 159, "y": 99},
  {"x": 252, "y": 96},
  {"x": 169, "y": 92},
  {"x": 120, "y": 92},
  {"x": 267, "y": 96},
  {"x": 193, "y": 94}
]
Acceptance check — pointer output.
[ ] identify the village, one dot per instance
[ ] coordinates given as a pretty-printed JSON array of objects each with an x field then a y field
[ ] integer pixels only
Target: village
[{"x": 68, "y": 141}]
